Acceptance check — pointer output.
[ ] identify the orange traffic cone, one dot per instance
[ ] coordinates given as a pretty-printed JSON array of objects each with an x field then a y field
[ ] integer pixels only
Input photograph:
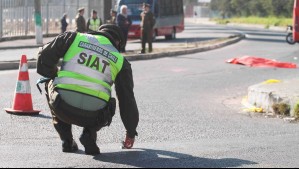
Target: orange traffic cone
[{"x": 22, "y": 104}]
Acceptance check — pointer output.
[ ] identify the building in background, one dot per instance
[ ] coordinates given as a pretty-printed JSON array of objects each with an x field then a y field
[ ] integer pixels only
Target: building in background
[
  {"x": 197, "y": 8},
  {"x": 17, "y": 16}
]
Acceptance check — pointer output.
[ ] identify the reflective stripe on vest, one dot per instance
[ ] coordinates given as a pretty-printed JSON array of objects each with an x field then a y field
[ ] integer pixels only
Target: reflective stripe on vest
[
  {"x": 71, "y": 81},
  {"x": 90, "y": 66},
  {"x": 76, "y": 68},
  {"x": 94, "y": 24},
  {"x": 77, "y": 88}
]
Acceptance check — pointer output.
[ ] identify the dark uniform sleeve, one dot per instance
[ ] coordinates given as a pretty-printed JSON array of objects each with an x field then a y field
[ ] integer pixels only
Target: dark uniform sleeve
[
  {"x": 130, "y": 21},
  {"x": 81, "y": 25},
  {"x": 128, "y": 107},
  {"x": 88, "y": 24},
  {"x": 153, "y": 20},
  {"x": 84, "y": 25},
  {"x": 49, "y": 55},
  {"x": 120, "y": 21},
  {"x": 101, "y": 22}
]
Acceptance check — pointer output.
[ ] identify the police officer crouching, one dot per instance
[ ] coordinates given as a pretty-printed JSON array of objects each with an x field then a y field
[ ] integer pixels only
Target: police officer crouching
[{"x": 80, "y": 92}]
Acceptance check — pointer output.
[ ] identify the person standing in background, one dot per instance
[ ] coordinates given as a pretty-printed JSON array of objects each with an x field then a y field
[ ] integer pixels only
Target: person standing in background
[
  {"x": 94, "y": 22},
  {"x": 80, "y": 21},
  {"x": 147, "y": 26},
  {"x": 124, "y": 22},
  {"x": 113, "y": 15},
  {"x": 64, "y": 24}
]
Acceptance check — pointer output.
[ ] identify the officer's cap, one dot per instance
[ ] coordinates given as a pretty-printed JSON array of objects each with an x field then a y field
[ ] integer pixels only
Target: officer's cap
[
  {"x": 81, "y": 9},
  {"x": 146, "y": 5},
  {"x": 94, "y": 12}
]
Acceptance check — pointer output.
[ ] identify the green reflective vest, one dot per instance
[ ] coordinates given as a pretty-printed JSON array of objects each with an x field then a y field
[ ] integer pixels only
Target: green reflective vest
[
  {"x": 94, "y": 25},
  {"x": 90, "y": 66}
]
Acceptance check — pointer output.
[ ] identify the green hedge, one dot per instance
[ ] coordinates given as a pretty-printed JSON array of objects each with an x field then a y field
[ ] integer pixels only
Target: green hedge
[{"x": 268, "y": 21}]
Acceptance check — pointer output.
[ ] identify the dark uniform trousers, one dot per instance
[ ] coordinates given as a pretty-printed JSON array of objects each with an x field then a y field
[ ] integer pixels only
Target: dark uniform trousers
[
  {"x": 64, "y": 115},
  {"x": 147, "y": 37}
]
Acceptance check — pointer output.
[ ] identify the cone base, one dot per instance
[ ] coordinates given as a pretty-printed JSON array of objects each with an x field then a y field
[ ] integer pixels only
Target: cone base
[{"x": 22, "y": 113}]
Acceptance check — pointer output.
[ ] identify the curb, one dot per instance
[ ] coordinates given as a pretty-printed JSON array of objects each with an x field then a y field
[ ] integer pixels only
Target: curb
[
  {"x": 15, "y": 65},
  {"x": 20, "y": 47},
  {"x": 281, "y": 96},
  {"x": 26, "y": 37},
  {"x": 232, "y": 39}
]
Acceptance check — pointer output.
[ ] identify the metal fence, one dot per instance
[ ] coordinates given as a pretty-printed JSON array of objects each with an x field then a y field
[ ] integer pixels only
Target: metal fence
[{"x": 17, "y": 16}]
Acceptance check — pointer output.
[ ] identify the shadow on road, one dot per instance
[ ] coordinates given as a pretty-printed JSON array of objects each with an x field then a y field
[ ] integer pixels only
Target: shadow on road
[
  {"x": 43, "y": 116},
  {"x": 147, "y": 158},
  {"x": 178, "y": 40},
  {"x": 268, "y": 34},
  {"x": 267, "y": 40}
]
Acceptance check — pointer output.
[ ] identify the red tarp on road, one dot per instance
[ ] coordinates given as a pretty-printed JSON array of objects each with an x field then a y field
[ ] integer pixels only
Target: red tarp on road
[{"x": 260, "y": 62}]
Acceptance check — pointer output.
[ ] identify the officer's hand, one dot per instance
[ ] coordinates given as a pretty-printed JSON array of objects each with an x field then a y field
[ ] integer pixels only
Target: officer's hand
[{"x": 128, "y": 143}]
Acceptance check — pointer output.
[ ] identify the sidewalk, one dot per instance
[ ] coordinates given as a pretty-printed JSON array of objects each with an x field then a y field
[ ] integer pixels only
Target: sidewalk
[{"x": 22, "y": 43}]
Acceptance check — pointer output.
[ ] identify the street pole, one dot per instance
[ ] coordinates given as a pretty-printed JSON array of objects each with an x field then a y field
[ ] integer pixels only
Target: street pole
[
  {"x": 64, "y": 6},
  {"x": 48, "y": 19},
  {"x": 89, "y": 6},
  {"x": 78, "y": 4},
  {"x": 107, "y": 7},
  {"x": 26, "y": 17},
  {"x": 38, "y": 22},
  {"x": 1, "y": 20}
]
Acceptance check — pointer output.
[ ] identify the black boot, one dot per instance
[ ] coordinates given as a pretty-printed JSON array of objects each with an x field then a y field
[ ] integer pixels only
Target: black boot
[
  {"x": 69, "y": 146},
  {"x": 88, "y": 140}
]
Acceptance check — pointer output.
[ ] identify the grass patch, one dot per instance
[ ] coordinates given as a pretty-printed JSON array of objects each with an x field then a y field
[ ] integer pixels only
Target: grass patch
[
  {"x": 268, "y": 21},
  {"x": 296, "y": 109},
  {"x": 282, "y": 109}
]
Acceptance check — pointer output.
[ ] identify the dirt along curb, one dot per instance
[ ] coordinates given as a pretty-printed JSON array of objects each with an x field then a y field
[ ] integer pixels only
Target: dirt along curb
[
  {"x": 201, "y": 47},
  {"x": 275, "y": 98}
]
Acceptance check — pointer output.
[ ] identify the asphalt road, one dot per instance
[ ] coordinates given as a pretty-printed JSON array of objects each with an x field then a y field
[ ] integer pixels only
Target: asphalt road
[{"x": 190, "y": 115}]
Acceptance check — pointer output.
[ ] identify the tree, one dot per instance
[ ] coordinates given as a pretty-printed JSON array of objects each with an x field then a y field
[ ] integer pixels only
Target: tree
[
  {"x": 223, "y": 6},
  {"x": 240, "y": 7},
  {"x": 283, "y": 8},
  {"x": 261, "y": 8},
  {"x": 187, "y": 2}
]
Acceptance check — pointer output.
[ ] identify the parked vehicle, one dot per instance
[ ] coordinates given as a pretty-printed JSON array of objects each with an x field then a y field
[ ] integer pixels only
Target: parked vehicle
[
  {"x": 289, "y": 37},
  {"x": 169, "y": 15}
]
